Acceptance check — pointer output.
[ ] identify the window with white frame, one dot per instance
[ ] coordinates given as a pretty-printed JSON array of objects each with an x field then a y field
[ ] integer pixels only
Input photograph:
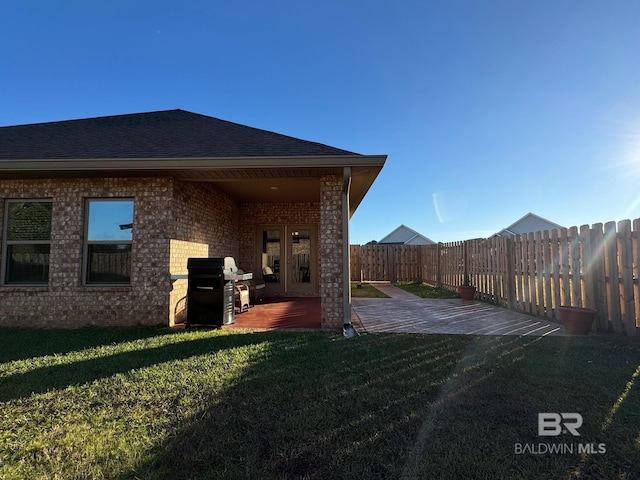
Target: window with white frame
[
  {"x": 109, "y": 238},
  {"x": 27, "y": 242}
]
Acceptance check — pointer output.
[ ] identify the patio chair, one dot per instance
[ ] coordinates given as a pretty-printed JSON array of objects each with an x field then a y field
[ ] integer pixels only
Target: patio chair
[{"x": 268, "y": 276}]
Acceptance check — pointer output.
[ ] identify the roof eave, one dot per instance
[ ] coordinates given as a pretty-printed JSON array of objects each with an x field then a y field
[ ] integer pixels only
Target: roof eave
[
  {"x": 132, "y": 164},
  {"x": 365, "y": 168}
]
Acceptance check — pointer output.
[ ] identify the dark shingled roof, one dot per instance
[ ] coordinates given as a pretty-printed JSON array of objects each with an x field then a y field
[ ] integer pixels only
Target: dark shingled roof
[{"x": 164, "y": 134}]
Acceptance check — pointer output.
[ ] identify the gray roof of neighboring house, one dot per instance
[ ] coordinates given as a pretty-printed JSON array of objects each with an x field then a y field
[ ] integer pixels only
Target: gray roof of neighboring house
[
  {"x": 163, "y": 134},
  {"x": 407, "y": 236},
  {"x": 528, "y": 224}
]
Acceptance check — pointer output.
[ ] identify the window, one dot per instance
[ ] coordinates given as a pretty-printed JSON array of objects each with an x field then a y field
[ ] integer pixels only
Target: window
[
  {"x": 109, "y": 237},
  {"x": 27, "y": 242}
]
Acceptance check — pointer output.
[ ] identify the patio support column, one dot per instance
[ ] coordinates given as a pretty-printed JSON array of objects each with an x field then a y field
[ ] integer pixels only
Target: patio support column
[
  {"x": 331, "y": 236},
  {"x": 346, "y": 274}
]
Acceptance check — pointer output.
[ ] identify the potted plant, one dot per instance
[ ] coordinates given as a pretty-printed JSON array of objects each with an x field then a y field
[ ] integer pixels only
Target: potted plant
[
  {"x": 466, "y": 290},
  {"x": 577, "y": 320}
]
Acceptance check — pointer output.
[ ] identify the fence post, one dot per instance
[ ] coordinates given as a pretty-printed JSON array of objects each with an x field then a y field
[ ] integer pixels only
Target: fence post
[{"x": 510, "y": 287}]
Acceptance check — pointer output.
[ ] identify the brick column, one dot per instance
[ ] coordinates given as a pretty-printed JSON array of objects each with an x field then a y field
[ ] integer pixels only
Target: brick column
[{"x": 331, "y": 238}]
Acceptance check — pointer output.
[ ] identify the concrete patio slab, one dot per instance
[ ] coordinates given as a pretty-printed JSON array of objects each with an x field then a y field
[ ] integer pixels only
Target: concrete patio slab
[{"x": 407, "y": 313}]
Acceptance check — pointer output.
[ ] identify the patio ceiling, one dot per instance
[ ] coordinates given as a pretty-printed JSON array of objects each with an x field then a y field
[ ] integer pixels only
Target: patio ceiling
[{"x": 285, "y": 185}]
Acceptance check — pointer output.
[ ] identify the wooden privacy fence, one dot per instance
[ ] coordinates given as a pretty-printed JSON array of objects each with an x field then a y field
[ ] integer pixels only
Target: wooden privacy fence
[
  {"x": 386, "y": 262},
  {"x": 440, "y": 264},
  {"x": 594, "y": 267}
]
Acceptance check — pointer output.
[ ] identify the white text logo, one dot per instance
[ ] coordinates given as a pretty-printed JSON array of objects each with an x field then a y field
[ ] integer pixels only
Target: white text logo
[{"x": 553, "y": 424}]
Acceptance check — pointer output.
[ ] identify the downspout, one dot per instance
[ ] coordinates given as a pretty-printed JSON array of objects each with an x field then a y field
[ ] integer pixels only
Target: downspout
[{"x": 347, "y": 328}]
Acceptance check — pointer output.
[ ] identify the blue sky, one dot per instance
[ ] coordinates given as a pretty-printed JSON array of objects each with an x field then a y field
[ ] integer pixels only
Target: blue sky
[{"x": 486, "y": 109}]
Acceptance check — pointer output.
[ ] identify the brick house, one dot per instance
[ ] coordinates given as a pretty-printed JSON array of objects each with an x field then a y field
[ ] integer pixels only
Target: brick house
[{"x": 97, "y": 214}]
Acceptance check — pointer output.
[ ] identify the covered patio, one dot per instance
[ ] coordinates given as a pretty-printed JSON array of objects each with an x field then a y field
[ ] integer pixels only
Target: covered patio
[{"x": 279, "y": 313}]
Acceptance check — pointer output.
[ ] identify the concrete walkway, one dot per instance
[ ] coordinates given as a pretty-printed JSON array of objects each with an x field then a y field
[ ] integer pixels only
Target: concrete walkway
[{"x": 407, "y": 313}]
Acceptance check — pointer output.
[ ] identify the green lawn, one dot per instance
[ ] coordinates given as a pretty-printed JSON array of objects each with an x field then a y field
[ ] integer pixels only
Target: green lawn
[
  {"x": 425, "y": 290},
  {"x": 366, "y": 290},
  {"x": 151, "y": 403}
]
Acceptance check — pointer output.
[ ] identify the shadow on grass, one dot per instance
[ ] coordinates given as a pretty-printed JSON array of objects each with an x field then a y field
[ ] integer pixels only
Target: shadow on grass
[
  {"x": 315, "y": 405},
  {"x": 77, "y": 372},
  {"x": 386, "y": 406},
  {"x": 24, "y": 343},
  {"x": 355, "y": 419},
  {"x": 328, "y": 408}
]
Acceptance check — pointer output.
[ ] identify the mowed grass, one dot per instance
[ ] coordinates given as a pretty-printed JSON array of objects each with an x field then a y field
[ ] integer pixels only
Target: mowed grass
[
  {"x": 152, "y": 403},
  {"x": 425, "y": 290},
  {"x": 366, "y": 290}
]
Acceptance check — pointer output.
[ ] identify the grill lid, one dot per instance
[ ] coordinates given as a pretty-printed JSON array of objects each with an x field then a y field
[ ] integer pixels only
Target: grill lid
[
  {"x": 216, "y": 264},
  {"x": 226, "y": 266}
]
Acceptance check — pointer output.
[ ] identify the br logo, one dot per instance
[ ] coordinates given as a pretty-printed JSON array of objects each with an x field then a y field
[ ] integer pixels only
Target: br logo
[{"x": 553, "y": 424}]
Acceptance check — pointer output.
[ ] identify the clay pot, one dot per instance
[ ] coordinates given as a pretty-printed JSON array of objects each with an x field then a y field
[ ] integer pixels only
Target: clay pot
[
  {"x": 577, "y": 320},
  {"x": 467, "y": 292}
]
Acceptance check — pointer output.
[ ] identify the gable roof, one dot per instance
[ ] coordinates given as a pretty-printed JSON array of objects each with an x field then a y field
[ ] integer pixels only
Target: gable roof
[
  {"x": 528, "y": 224},
  {"x": 153, "y": 135},
  {"x": 406, "y": 236},
  {"x": 250, "y": 164}
]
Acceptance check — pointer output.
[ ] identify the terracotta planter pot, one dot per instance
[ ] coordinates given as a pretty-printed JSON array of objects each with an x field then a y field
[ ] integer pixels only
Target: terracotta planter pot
[
  {"x": 467, "y": 292},
  {"x": 577, "y": 320}
]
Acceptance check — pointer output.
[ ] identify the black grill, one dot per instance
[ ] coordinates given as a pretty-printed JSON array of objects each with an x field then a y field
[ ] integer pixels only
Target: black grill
[{"x": 210, "y": 298}]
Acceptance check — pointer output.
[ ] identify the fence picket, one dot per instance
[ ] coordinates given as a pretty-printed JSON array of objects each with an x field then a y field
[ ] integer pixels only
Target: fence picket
[
  {"x": 547, "y": 305},
  {"x": 636, "y": 271},
  {"x": 539, "y": 266},
  {"x": 587, "y": 274},
  {"x": 626, "y": 266},
  {"x": 613, "y": 277},
  {"x": 574, "y": 268},
  {"x": 564, "y": 256},
  {"x": 555, "y": 259},
  {"x": 517, "y": 243},
  {"x": 596, "y": 264},
  {"x": 495, "y": 257}
]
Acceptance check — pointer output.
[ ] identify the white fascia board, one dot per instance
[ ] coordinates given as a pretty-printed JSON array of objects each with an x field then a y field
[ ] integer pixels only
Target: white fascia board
[{"x": 192, "y": 163}]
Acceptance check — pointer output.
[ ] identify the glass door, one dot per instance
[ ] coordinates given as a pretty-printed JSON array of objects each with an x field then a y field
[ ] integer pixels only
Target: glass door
[
  {"x": 271, "y": 254},
  {"x": 301, "y": 263},
  {"x": 287, "y": 259}
]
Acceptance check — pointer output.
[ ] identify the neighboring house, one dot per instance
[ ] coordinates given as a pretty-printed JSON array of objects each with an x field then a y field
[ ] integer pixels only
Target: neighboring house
[
  {"x": 97, "y": 214},
  {"x": 528, "y": 224},
  {"x": 404, "y": 235}
]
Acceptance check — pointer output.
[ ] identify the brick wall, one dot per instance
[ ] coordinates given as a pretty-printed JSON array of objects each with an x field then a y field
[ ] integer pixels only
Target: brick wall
[
  {"x": 65, "y": 301},
  {"x": 254, "y": 214},
  {"x": 205, "y": 224},
  {"x": 172, "y": 222}
]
